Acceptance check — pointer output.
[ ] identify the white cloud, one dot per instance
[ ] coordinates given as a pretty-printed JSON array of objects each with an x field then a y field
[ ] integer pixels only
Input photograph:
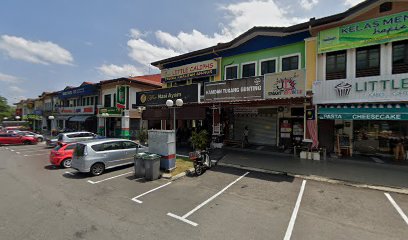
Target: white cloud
[
  {"x": 115, "y": 71},
  {"x": 9, "y": 78},
  {"x": 240, "y": 17},
  {"x": 16, "y": 90},
  {"x": 352, "y": 2},
  {"x": 308, "y": 4},
  {"x": 35, "y": 52}
]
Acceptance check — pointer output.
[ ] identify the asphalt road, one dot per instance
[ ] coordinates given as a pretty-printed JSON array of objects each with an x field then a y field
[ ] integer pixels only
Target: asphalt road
[{"x": 38, "y": 201}]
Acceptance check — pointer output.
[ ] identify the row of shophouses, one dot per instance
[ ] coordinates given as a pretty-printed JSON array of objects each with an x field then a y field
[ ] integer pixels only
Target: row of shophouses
[{"x": 341, "y": 80}]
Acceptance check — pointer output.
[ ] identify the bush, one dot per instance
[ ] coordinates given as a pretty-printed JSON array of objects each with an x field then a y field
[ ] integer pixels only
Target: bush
[
  {"x": 199, "y": 140},
  {"x": 143, "y": 136}
]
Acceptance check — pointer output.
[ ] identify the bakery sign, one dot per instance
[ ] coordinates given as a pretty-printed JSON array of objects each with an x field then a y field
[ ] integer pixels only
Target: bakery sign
[
  {"x": 194, "y": 70},
  {"x": 373, "y": 89},
  {"x": 235, "y": 90},
  {"x": 286, "y": 84}
]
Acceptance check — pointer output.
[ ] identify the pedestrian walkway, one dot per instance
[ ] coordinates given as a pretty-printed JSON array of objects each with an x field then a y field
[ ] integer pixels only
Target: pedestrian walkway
[{"x": 370, "y": 173}]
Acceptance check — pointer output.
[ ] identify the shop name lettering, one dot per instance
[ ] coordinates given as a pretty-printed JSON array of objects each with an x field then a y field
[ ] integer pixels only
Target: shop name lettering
[
  {"x": 75, "y": 91},
  {"x": 192, "y": 75},
  {"x": 363, "y": 116},
  {"x": 285, "y": 86},
  {"x": 379, "y": 26},
  {"x": 378, "y": 88},
  {"x": 163, "y": 96},
  {"x": 234, "y": 90}
]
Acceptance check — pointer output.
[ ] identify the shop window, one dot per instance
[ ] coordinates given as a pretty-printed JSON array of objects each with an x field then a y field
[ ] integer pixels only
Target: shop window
[
  {"x": 248, "y": 70},
  {"x": 83, "y": 101},
  {"x": 231, "y": 72},
  {"x": 107, "y": 100},
  {"x": 268, "y": 66},
  {"x": 400, "y": 57},
  {"x": 336, "y": 65},
  {"x": 114, "y": 100},
  {"x": 91, "y": 101},
  {"x": 368, "y": 61},
  {"x": 290, "y": 63}
]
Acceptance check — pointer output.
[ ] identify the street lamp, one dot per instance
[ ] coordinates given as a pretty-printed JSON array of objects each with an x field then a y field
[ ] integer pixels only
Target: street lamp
[
  {"x": 51, "y": 118},
  {"x": 5, "y": 118},
  {"x": 170, "y": 104},
  {"x": 140, "y": 110},
  {"x": 17, "y": 118},
  {"x": 105, "y": 115}
]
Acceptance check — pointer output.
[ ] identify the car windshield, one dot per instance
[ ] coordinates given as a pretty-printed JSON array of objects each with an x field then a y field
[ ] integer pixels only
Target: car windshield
[{"x": 58, "y": 147}]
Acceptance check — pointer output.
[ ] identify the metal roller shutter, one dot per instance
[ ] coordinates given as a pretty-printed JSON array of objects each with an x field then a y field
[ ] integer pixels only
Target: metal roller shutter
[{"x": 262, "y": 129}]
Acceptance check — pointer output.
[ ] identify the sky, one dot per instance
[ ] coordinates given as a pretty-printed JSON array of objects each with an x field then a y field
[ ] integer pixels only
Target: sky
[{"x": 46, "y": 45}]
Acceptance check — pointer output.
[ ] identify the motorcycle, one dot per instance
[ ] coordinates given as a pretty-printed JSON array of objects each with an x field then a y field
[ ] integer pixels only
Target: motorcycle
[{"x": 202, "y": 161}]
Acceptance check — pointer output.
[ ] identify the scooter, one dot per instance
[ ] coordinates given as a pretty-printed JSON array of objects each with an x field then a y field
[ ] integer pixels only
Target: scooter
[{"x": 202, "y": 161}]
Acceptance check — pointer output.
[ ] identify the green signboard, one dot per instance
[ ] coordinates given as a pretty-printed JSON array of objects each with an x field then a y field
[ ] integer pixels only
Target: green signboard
[
  {"x": 121, "y": 96},
  {"x": 354, "y": 113},
  {"x": 374, "y": 31},
  {"x": 111, "y": 111}
]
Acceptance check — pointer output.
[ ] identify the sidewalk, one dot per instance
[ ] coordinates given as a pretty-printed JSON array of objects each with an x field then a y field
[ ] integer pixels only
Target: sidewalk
[{"x": 345, "y": 170}]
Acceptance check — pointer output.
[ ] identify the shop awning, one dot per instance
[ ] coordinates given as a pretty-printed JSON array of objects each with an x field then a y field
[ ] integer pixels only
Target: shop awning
[
  {"x": 62, "y": 117},
  {"x": 79, "y": 118},
  {"x": 393, "y": 112}
]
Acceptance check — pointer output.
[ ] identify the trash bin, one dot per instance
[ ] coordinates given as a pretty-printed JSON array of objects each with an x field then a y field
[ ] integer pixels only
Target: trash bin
[
  {"x": 152, "y": 166},
  {"x": 139, "y": 165}
]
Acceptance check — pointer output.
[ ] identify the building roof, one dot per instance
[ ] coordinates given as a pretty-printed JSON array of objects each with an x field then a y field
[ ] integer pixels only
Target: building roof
[{"x": 151, "y": 80}]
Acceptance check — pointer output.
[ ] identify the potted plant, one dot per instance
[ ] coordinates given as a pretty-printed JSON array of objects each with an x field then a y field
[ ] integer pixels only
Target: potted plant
[{"x": 199, "y": 140}]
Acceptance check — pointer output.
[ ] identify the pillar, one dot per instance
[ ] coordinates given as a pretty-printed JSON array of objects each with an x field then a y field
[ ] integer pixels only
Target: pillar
[
  {"x": 101, "y": 126},
  {"x": 125, "y": 133}
]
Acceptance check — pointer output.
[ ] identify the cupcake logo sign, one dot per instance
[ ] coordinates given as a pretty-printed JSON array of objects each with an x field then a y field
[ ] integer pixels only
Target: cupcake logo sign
[{"x": 343, "y": 89}]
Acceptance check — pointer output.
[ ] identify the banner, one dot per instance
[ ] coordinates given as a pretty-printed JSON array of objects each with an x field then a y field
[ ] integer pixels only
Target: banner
[
  {"x": 374, "y": 31},
  {"x": 188, "y": 93},
  {"x": 78, "y": 91},
  {"x": 194, "y": 70},
  {"x": 235, "y": 90},
  {"x": 121, "y": 96},
  {"x": 287, "y": 84}
]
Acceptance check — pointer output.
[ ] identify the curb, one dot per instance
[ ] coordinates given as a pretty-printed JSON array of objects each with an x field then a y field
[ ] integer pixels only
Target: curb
[
  {"x": 322, "y": 179},
  {"x": 178, "y": 176}
]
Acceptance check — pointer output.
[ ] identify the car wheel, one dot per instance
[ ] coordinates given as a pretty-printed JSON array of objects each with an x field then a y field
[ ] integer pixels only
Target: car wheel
[
  {"x": 26, "y": 142},
  {"x": 97, "y": 169},
  {"x": 66, "y": 163},
  {"x": 40, "y": 139}
]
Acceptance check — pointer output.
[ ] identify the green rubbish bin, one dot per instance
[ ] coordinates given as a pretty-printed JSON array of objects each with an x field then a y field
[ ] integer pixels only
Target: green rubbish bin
[
  {"x": 139, "y": 165},
  {"x": 152, "y": 166}
]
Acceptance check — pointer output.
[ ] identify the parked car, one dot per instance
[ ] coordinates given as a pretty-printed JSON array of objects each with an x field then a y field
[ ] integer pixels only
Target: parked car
[
  {"x": 51, "y": 142},
  {"x": 96, "y": 156},
  {"x": 75, "y": 137},
  {"x": 39, "y": 137},
  {"x": 8, "y": 138},
  {"x": 61, "y": 155}
]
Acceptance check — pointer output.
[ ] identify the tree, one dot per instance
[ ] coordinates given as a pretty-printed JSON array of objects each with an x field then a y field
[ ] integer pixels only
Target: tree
[{"x": 5, "y": 109}]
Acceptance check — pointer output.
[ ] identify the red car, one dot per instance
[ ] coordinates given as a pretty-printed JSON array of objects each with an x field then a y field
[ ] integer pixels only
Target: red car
[
  {"x": 9, "y": 138},
  {"x": 61, "y": 155}
]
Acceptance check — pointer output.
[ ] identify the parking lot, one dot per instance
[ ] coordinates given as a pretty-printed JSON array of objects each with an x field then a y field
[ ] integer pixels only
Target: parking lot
[{"x": 39, "y": 201}]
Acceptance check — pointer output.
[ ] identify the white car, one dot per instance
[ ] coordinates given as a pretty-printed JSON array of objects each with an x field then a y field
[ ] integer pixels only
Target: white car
[{"x": 39, "y": 137}]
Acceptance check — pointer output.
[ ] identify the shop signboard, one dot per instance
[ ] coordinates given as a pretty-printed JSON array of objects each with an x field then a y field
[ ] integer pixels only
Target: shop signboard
[
  {"x": 78, "y": 91},
  {"x": 121, "y": 96},
  {"x": 288, "y": 84},
  {"x": 194, "y": 70},
  {"x": 365, "y": 116},
  {"x": 111, "y": 111},
  {"x": 188, "y": 93},
  {"x": 235, "y": 90},
  {"x": 76, "y": 110},
  {"x": 374, "y": 31},
  {"x": 384, "y": 113},
  {"x": 362, "y": 90}
]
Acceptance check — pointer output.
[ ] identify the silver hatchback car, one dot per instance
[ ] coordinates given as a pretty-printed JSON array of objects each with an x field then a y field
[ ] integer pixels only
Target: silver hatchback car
[{"x": 97, "y": 155}]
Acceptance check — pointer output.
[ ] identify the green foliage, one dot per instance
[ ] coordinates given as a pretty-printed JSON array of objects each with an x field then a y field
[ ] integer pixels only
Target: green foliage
[
  {"x": 143, "y": 135},
  {"x": 5, "y": 109},
  {"x": 199, "y": 140}
]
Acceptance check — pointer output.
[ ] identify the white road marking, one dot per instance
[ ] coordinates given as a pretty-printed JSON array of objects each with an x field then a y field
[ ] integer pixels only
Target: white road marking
[
  {"x": 377, "y": 160},
  {"x": 135, "y": 199},
  {"x": 12, "y": 150},
  {"x": 295, "y": 212},
  {"x": 31, "y": 151},
  {"x": 399, "y": 210},
  {"x": 70, "y": 173},
  {"x": 185, "y": 216},
  {"x": 92, "y": 182},
  {"x": 40, "y": 154}
]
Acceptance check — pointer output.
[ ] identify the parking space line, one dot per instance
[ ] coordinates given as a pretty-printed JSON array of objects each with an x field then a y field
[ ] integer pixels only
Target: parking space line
[
  {"x": 399, "y": 210},
  {"x": 295, "y": 212},
  {"x": 377, "y": 160},
  {"x": 92, "y": 182},
  {"x": 70, "y": 173},
  {"x": 135, "y": 199},
  {"x": 185, "y": 216},
  {"x": 31, "y": 151},
  {"x": 40, "y": 154}
]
